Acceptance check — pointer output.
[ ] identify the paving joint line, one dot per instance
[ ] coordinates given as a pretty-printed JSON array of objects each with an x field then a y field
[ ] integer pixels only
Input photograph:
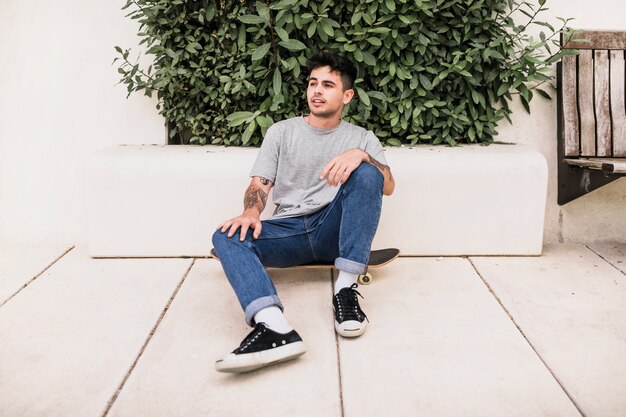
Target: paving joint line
[
  {"x": 605, "y": 260},
  {"x": 112, "y": 400},
  {"x": 37, "y": 275},
  {"x": 519, "y": 329},
  {"x": 341, "y": 406}
]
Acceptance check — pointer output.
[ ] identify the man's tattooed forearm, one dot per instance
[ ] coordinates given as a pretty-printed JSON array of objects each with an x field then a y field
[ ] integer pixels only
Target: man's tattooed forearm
[
  {"x": 253, "y": 196},
  {"x": 250, "y": 199},
  {"x": 263, "y": 197},
  {"x": 376, "y": 163}
]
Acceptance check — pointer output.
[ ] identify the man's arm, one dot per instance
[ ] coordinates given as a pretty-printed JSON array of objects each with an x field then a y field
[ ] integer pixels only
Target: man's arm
[
  {"x": 389, "y": 184},
  {"x": 254, "y": 202},
  {"x": 341, "y": 166},
  {"x": 256, "y": 194}
]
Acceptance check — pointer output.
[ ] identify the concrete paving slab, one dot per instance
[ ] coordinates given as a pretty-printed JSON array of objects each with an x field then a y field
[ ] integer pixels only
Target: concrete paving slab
[
  {"x": 438, "y": 344},
  {"x": 569, "y": 303},
  {"x": 176, "y": 374},
  {"x": 613, "y": 253},
  {"x": 69, "y": 338},
  {"x": 20, "y": 263}
]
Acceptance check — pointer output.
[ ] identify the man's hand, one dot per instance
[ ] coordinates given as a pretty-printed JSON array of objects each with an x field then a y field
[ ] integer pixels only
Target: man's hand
[
  {"x": 253, "y": 205},
  {"x": 249, "y": 219},
  {"x": 341, "y": 166}
]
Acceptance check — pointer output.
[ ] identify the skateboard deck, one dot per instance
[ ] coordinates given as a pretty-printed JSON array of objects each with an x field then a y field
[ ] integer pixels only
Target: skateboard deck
[{"x": 378, "y": 258}]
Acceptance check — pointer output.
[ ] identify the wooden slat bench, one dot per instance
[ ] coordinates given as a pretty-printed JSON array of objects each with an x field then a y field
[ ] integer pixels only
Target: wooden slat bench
[{"x": 591, "y": 112}]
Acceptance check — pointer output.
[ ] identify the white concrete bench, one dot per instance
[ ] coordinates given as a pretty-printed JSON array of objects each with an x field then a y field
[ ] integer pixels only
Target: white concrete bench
[{"x": 146, "y": 201}]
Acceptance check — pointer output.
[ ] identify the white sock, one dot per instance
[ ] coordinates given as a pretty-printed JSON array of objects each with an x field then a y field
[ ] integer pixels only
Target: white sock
[
  {"x": 274, "y": 318},
  {"x": 344, "y": 280}
]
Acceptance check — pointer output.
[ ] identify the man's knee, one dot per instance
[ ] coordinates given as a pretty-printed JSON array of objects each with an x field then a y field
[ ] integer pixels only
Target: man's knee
[
  {"x": 220, "y": 239},
  {"x": 368, "y": 175},
  {"x": 216, "y": 238}
]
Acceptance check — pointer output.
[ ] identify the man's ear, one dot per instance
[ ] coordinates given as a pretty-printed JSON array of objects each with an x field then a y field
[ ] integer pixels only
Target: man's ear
[{"x": 347, "y": 96}]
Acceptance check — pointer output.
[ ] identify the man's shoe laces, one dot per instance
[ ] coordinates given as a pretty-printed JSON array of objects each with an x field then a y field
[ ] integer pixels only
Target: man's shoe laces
[
  {"x": 251, "y": 338},
  {"x": 348, "y": 304}
]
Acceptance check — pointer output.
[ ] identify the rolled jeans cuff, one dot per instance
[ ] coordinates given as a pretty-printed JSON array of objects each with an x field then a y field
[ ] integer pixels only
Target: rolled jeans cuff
[
  {"x": 259, "y": 304},
  {"x": 352, "y": 267}
]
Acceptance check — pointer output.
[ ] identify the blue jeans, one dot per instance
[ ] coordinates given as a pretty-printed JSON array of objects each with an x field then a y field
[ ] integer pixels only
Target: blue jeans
[{"x": 340, "y": 233}]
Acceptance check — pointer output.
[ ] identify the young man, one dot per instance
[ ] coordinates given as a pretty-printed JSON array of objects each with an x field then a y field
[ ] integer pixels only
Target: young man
[{"x": 329, "y": 177}]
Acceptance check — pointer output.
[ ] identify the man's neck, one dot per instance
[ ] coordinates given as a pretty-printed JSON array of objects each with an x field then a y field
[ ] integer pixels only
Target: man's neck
[{"x": 322, "y": 122}]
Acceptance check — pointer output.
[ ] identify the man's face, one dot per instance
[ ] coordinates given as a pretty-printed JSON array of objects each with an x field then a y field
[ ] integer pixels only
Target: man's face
[{"x": 325, "y": 94}]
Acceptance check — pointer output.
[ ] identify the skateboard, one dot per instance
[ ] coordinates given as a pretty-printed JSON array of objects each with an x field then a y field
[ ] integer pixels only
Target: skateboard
[{"x": 378, "y": 258}]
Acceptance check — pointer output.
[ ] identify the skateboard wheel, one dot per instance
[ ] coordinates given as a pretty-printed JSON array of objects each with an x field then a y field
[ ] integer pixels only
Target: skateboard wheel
[{"x": 365, "y": 279}]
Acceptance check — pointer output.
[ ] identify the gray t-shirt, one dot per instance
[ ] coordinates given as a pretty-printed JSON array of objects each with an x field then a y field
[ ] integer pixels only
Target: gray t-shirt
[{"x": 293, "y": 154}]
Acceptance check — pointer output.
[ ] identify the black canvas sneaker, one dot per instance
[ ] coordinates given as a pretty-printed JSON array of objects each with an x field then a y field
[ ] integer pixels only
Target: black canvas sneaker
[
  {"x": 349, "y": 318},
  {"x": 262, "y": 347}
]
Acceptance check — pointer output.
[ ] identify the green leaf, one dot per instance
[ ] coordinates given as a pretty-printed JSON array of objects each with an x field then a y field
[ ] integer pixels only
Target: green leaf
[
  {"x": 363, "y": 96},
  {"x": 543, "y": 94},
  {"x": 369, "y": 19},
  {"x": 533, "y": 60},
  {"x": 525, "y": 92},
  {"x": 327, "y": 28},
  {"x": 210, "y": 12},
  {"x": 378, "y": 96},
  {"x": 525, "y": 104},
  {"x": 241, "y": 38},
  {"x": 503, "y": 89},
  {"x": 476, "y": 97},
  {"x": 358, "y": 55},
  {"x": 282, "y": 33},
  {"x": 261, "y": 51},
  {"x": 544, "y": 24},
  {"x": 284, "y": 4},
  {"x": 368, "y": 58},
  {"x": 237, "y": 118},
  {"x": 379, "y": 30},
  {"x": 293, "y": 45},
  {"x": 262, "y": 10},
  {"x": 311, "y": 30},
  {"x": 252, "y": 19},
  {"x": 192, "y": 47},
  {"x": 277, "y": 81},
  {"x": 264, "y": 121},
  {"x": 471, "y": 133},
  {"x": 247, "y": 134}
]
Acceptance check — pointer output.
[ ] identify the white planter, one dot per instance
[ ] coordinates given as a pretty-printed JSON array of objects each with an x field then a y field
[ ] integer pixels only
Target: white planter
[{"x": 167, "y": 200}]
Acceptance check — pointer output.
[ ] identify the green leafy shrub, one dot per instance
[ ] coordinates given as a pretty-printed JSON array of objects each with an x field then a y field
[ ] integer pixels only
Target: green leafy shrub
[{"x": 435, "y": 71}]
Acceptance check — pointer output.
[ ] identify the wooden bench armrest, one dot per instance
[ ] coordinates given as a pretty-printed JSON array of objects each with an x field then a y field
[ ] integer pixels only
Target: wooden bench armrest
[{"x": 610, "y": 165}]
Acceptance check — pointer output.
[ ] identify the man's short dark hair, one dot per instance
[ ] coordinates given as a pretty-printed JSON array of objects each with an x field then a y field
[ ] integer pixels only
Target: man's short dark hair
[{"x": 344, "y": 67}]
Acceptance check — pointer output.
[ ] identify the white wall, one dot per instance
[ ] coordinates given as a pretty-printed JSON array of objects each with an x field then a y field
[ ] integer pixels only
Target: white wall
[{"x": 59, "y": 103}]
